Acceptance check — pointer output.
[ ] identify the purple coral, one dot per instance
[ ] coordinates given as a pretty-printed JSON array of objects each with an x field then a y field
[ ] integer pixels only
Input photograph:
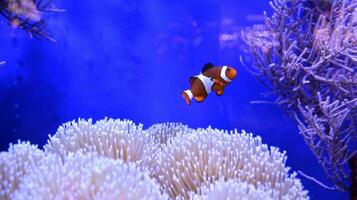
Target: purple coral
[
  {"x": 306, "y": 52},
  {"x": 27, "y": 15}
]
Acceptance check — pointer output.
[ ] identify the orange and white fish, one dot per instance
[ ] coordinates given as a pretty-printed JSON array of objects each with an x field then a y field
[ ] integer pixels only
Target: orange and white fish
[{"x": 214, "y": 78}]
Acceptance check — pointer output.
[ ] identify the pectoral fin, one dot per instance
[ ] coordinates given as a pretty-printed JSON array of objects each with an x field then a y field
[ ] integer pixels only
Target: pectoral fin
[
  {"x": 220, "y": 92},
  {"x": 217, "y": 81}
]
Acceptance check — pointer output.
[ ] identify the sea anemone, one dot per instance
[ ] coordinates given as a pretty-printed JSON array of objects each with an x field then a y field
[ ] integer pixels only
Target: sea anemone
[
  {"x": 86, "y": 176},
  {"x": 14, "y": 164},
  {"x": 117, "y": 159},
  {"x": 203, "y": 156},
  {"x": 231, "y": 189},
  {"x": 116, "y": 139},
  {"x": 162, "y": 133}
]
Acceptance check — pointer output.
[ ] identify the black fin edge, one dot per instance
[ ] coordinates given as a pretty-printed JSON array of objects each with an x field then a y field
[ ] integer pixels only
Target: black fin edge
[{"x": 207, "y": 66}]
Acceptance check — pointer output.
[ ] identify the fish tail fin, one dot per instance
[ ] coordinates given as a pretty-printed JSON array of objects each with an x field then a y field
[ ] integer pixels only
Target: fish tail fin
[{"x": 187, "y": 95}]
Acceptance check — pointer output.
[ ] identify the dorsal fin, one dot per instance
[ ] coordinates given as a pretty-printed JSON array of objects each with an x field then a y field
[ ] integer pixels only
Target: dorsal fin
[{"x": 206, "y": 67}]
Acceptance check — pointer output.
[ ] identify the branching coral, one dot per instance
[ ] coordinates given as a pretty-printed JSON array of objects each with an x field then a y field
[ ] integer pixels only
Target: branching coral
[
  {"x": 27, "y": 15},
  {"x": 353, "y": 166},
  {"x": 203, "y": 156},
  {"x": 14, "y": 164},
  {"x": 88, "y": 176},
  {"x": 307, "y": 54}
]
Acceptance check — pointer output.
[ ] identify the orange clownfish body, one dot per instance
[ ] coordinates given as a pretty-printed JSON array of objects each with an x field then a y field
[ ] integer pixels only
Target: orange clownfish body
[{"x": 211, "y": 78}]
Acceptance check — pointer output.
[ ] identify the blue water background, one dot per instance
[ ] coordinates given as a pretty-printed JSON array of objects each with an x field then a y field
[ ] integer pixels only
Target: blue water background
[{"x": 130, "y": 59}]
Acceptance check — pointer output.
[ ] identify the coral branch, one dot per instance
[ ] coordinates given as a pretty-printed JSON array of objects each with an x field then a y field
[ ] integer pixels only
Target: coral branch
[
  {"x": 316, "y": 181},
  {"x": 353, "y": 167},
  {"x": 27, "y": 15},
  {"x": 306, "y": 52}
]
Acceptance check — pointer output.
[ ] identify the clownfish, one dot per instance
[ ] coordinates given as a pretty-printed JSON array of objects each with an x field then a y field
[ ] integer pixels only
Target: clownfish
[{"x": 212, "y": 77}]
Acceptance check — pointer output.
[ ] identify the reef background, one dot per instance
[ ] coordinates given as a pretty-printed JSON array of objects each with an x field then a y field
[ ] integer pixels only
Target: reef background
[{"x": 130, "y": 59}]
